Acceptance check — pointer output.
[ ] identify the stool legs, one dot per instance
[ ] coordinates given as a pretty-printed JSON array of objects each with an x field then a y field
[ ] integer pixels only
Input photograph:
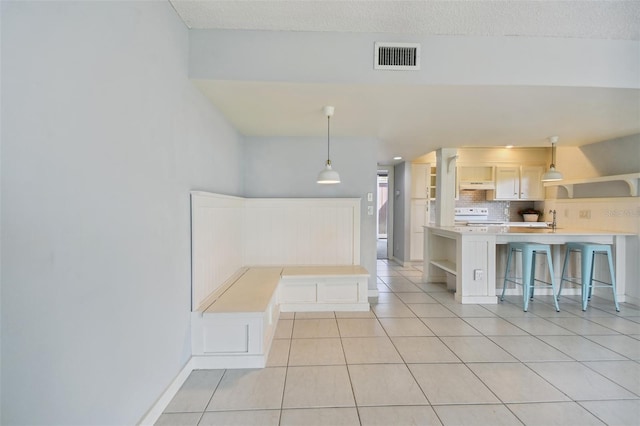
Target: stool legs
[
  {"x": 587, "y": 275},
  {"x": 506, "y": 274},
  {"x": 529, "y": 252},
  {"x": 553, "y": 282},
  {"x": 527, "y": 277},
  {"x": 613, "y": 279},
  {"x": 564, "y": 269},
  {"x": 588, "y": 252}
]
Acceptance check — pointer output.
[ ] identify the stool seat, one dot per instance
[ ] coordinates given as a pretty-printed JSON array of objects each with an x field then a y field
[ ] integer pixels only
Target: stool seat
[
  {"x": 528, "y": 279},
  {"x": 587, "y": 255}
]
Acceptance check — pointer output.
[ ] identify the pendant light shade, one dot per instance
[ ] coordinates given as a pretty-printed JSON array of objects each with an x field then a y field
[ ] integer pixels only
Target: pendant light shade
[
  {"x": 328, "y": 176},
  {"x": 552, "y": 174}
]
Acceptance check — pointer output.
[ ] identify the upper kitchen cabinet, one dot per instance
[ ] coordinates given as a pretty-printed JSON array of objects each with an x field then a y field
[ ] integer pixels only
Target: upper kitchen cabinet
[
  {"x": 476, "y": 177},
  {"x": 531, "y": 187},
  {"x": 423, "y": 181},
  {"x": 518, "y": 183}
]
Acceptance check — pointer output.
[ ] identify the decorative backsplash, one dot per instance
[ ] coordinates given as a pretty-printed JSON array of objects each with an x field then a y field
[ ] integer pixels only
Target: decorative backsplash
[{"x": 496, "y": 208}]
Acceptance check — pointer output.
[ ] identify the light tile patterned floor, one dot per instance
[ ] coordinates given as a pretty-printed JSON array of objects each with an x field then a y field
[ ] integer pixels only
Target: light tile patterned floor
[{"x": 418, "y": 358}]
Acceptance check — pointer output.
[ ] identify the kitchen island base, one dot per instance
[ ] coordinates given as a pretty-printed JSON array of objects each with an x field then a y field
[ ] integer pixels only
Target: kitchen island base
[{"x": 473, "y": 253}]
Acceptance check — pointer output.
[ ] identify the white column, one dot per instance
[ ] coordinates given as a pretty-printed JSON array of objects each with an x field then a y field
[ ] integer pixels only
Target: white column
[{"x": 445, "y": 185}]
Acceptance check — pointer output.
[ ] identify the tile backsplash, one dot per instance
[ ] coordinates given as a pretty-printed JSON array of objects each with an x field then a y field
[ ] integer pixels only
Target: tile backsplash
[{"x": 496, "y": 208}]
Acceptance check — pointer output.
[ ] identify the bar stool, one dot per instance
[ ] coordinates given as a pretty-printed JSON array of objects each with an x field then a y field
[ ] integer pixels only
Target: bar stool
[
  {"x": 529, "y": 251},
  {"x": 588, "y": 252}
]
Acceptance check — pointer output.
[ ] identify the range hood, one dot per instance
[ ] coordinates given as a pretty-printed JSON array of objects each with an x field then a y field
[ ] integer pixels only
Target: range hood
[{"x": 483, "y": 184}]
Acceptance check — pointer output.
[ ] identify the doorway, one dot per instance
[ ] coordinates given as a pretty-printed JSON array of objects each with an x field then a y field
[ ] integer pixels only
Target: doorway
[{"x": 384, "y": 211}]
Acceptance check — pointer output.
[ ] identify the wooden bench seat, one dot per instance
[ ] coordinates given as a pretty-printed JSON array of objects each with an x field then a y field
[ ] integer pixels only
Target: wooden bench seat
[
  {"x": 236, "y": 327},
  {"x": 249, "y": 293}
]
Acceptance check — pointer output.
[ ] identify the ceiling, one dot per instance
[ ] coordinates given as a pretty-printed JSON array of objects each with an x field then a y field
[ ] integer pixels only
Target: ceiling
[{"x": 412, "y": 120}]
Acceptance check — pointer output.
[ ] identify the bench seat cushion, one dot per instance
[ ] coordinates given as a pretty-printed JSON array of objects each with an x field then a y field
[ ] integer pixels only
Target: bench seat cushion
[{"x": 251, "y": 292}]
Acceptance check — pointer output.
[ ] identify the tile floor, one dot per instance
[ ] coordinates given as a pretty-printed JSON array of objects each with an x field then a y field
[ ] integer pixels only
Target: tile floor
[{"x": 418, "y": 358}]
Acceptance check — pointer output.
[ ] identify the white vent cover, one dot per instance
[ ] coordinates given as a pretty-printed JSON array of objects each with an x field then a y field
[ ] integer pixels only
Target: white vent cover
[{"x": 397, "y": 56}]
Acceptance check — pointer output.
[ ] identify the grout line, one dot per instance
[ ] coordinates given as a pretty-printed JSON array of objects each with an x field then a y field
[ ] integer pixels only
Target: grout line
[{"x": 534, "y": 314}]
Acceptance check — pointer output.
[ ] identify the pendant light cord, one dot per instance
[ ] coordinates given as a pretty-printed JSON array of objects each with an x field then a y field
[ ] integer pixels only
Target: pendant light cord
[{"x": 328, "y": 139}]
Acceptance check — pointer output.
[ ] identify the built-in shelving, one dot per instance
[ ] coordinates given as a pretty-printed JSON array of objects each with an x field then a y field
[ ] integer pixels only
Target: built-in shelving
[
  {"x": 631, "y": 179},
  {"x": 445, "y": 265}
]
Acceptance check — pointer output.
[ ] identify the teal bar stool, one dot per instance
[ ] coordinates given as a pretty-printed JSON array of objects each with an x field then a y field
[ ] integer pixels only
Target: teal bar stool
[
  {"x": 528, "y": 279},
  {"x": 588, "y": 253}
]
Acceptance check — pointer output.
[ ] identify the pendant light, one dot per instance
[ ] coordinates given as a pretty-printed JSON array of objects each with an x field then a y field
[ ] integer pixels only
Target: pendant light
[
  {"x": 328, "y": 175},
  {"x": 552, "y": 175}
]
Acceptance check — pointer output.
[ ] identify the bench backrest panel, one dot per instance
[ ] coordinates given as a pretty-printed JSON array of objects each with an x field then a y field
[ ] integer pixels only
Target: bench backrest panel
[{"x": 228, "y": 233}]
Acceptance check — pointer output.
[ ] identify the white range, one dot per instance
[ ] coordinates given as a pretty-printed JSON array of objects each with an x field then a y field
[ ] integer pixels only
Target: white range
[{"x": 479, "y": 216}]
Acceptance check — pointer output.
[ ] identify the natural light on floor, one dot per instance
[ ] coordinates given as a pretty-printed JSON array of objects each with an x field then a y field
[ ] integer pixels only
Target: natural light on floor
[{"x": 418, "y": 357}]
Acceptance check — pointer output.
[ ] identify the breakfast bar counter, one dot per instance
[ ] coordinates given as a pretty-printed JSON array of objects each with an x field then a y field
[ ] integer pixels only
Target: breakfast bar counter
[{"x": 470, "y": 255}]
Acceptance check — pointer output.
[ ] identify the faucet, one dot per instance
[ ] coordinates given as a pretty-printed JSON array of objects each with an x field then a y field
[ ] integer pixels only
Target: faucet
[{"x": 554, "y": 224}]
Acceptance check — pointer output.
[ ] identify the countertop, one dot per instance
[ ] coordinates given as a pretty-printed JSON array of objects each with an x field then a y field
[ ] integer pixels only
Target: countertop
[{"x": 521, "y": 230}]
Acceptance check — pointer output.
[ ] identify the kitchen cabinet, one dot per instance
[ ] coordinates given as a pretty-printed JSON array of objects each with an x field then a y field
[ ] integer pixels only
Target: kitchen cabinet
[
  {"x": 531, "y": 183},
  {"x": 423, "y": 181},
  {"x": 419, "y": 218},
  {"x": 423, "y": 194},
  {"x": 419, "y": 179},
  {"x": 519, "y": 183}
]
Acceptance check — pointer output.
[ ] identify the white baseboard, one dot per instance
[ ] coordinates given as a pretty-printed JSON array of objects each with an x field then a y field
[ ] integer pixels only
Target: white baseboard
[
  {"x": 482, "y": 300},
  {"x": 373, "y": 292},
  {"x": 158, "y": 408},
  {"x": 223, "y": 362},
  {"x": 398, "y": 261},
  {"x": 629, "y": 299}
]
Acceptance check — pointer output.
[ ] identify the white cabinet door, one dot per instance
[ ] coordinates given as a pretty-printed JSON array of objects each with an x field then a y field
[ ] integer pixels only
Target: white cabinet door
[
  {"x": 420, "y": 180},
  {"x": 507, "y": 183},
  {"x": 531, "y": 183},
  {"x": 419, "y": 218},
  {"x": 299, "y": 292},
  {"x": 337, "y": 291}
]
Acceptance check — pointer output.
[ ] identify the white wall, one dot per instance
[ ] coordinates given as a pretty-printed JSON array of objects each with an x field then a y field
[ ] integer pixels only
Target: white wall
[
  {"x": 447, "y": 60},
  {"x": 609, "y": 205},
  {"x": 610, "y": 157},
  {"x": 103, "y": 136},
  {"x": 288, "y": 167}
]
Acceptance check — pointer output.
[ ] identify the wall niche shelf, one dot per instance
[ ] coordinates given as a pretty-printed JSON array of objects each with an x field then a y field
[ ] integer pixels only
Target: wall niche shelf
[{"x": 631, "y": 179}]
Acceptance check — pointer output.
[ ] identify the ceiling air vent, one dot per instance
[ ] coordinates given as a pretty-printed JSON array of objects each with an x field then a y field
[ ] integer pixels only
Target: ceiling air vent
[{"x": 397, "y": 56}]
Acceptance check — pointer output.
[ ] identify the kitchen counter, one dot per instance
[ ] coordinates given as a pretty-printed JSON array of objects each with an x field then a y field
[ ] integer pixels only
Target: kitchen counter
[
  {"x": 470, "y": 254},
  {"x": 516, "y": 229}
]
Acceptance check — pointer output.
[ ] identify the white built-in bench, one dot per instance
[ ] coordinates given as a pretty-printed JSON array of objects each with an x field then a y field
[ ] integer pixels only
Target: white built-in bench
[
  {"x": 234, "y": 307},
  {"x": 324, "y": 288},
  {"x": 235, "y": 327}
]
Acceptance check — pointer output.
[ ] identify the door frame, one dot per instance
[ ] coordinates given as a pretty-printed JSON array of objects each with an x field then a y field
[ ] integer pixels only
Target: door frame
[{"x": 390, "y": 200}]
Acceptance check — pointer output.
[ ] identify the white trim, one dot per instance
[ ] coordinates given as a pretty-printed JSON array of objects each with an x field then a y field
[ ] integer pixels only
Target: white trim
[
  {"x": 390, "y": 207},
  {"x": 628, "y": 299},
  {"x": 324, "y": 307},
  {"x": 220, "y": 362},
  {"x": 483, "y": 300},
  {"x": 154, "y": 413},
  {"x": 373, "y": 292},
  {"x": 399, "y": 262}
]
